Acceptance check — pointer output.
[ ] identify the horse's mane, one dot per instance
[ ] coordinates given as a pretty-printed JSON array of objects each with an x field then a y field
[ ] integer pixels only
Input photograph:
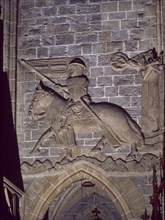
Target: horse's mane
[{"x": 57, "y": 105}]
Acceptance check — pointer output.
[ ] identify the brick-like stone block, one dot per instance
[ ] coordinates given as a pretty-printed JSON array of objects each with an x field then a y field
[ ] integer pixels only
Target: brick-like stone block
[
  {"x": 110, "y": 71},
  {"x": 104, "y": 60},
  {"x": 52, "y": 28},
  {"x": 34, "y": 13},
  {"x": 125, "y": 6},
  {"x": 50, "y": 11},
  {"x": 84, "y": 135},
  {"x": 100, "y": 48},
  {"x": 86, "y": 48},
  {"x": 83, "y": 27},
  {"x": 104, "y": 36},
  {"x": 128, "y": 23},
  {"x": 57, "y": 2},
  {"x": 149, "y": 32},
  {"x": 77, "y": 1},
  {"x": 113, "y": 47},
  {"x": 120, "y": 35},
  {"x": 130, "y": 90},
  {"x": 86, "y": 38},
  {"x": 118, "y": 15},
  {"x": 109, "y": 7},
  {"x": 41, "y": 3},
  {"x": 47, "y": 40},
  {"x": 136, "y": 101},
  {"x": 58, "y": 51},
  {"x": 131, "y": 14},
  {"x": 96, "y": 27},
  {"x": 137, "y": 33},
  {"x": 104, "y": 81},
  {"x": 129, "y": 71},
  {"x": 96, "y": 71},
  {"x": 123, "y": 80},
  {"x": 131, "y": 45},
  {"x": 74, "y": 50},
  {"x": 96, "y": 92},
  {"x": 110, "y": 25},
  {"x": 42, "y": 52},
  {"x": 74, "y": 19},
  {"x": 92, "y": 82},
  {"x": 65, "y": 38},
  {"x": 111, "y": 91},
  {"x": 94, "y": 18},
  {"x": 88, "y": 9},
  {"x": 29, "y": 42},
  {"x": 138, "y": 79},
  {"x": 66, "y": 10}
]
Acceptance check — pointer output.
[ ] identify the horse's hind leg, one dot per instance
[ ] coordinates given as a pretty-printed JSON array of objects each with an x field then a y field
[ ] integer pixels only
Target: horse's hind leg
[
  {"x": 99, "y": 145},
  {"x": 46, "y": 134}
]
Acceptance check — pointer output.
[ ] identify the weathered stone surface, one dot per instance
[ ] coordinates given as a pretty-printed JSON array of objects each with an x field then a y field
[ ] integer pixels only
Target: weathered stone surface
[
  {"x": 58, "y": 51},
  {"x": 121, "y": 35},
  {"x": 95, "y": 25},
  {"x": 41, "y": 3},
  {"x": 88, "y": 9},
  {"x": 51, "y": 11},
  {"x": 96, "y": 92},
  {"x": 130, "y": 90},
  {"x": 53, "y": 28},
  {"x": 110, "y": 25},
  {"x": 125, "y": 6},
  {"x": 131, "y": 45},
  {"x": 66, "y": 10},
  {"x": 109, "y": 7},
  {"x": 118, "y": 15},
  {"x": 42, "y": 52},
  {"x": 137, "y": 33},
  {"x": 123, "y": 80},
  {"x": 122, "y": 101},
  {"x": 104, "y": 81},
  {"x": 74, "y": 50},
  {"x": 111, "y": 91},
  {"x": 65, "y": 38},
  {"x": 86, "y": 38},
  {"x": 86, "y": 48},
  {"x": 30, "y": 42}
]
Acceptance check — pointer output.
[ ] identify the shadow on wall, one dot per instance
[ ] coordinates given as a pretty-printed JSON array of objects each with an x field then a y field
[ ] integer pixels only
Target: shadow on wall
[{"x": 9, "y": 156}]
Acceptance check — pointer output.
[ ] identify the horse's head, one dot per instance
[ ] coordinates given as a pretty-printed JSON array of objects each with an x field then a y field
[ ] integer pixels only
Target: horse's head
[{"x": 42, "y": 99}]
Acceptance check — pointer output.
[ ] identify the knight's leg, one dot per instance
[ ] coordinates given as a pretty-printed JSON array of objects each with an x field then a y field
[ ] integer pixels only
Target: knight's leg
[{"x": 46, "y": 134}]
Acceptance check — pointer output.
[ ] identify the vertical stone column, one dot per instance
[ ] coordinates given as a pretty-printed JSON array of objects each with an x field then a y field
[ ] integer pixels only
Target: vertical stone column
[{"x": 10, "y": 47}]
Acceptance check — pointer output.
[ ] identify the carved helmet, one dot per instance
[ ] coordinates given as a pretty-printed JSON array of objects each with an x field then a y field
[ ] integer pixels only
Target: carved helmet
[{"x": 77, "y": 67}]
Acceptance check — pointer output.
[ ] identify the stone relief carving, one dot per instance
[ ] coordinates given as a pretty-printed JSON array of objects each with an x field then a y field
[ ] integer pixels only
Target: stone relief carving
[
  {"x": 70, "y": 116},
  {"x": 152, "y": 90},
  {"x": 107, "y": 163}
]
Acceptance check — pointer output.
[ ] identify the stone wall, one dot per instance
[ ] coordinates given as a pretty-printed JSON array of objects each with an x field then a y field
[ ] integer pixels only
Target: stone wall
[{"x": 94, "y": 30}]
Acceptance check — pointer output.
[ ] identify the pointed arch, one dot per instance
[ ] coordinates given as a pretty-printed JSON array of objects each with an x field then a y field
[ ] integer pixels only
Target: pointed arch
[{"x": 84, "y": 170}]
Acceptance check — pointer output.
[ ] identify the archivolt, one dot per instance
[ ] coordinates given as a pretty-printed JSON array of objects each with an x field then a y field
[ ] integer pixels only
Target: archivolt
[{"x": 85, "y": 170}]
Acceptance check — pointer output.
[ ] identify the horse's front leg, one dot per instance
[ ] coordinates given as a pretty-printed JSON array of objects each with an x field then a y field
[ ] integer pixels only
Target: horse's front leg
[{"x": 45, "y": 135}]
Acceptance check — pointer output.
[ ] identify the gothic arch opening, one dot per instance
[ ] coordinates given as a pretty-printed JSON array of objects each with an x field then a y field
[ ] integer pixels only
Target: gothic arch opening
[{"x": 128, "y": 203}]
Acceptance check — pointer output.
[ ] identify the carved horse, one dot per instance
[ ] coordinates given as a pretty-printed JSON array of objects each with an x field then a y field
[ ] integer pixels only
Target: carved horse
[{"x": 114, "y": 122}]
